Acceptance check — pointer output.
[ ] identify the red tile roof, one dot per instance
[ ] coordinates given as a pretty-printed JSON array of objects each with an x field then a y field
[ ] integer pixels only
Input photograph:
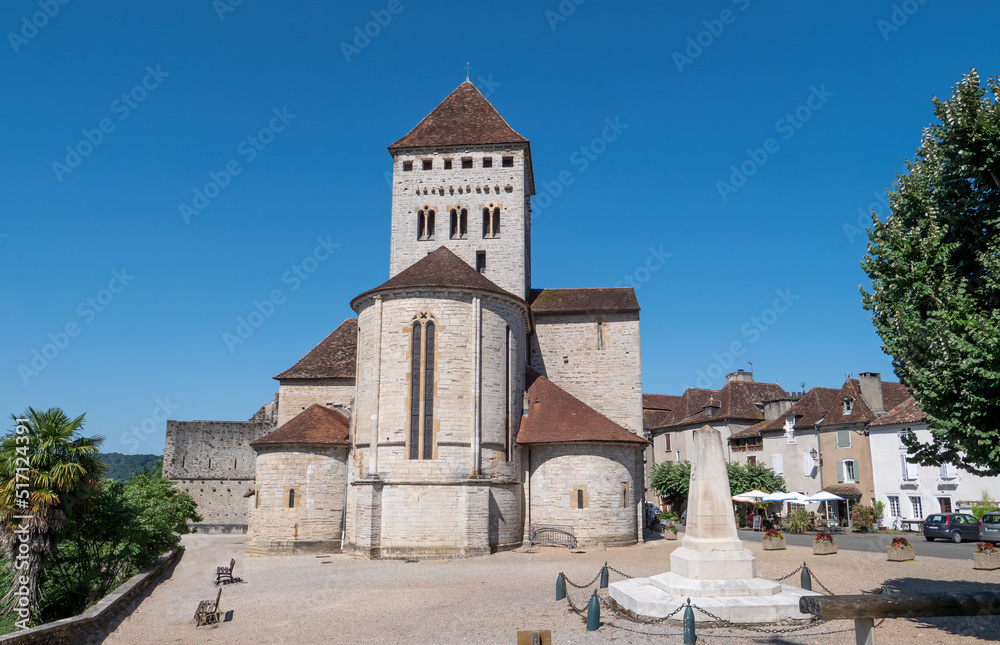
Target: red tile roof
[
  {"x": 556, "y": 416},
  {"x": 316, "y": 424},
  {"x": 892, "y": 395},
  {"x": 575, "y": 301},
  {"x": 906, "y": 412},
  {"x": 809, "y": 409},
  {"x": 334, "y": 357},
  {"x": 660, "y": 401},
  {"x": 465, "y": 117},
  {"x": 438, "y": 269},
  {"x": 652, "y": 419}
]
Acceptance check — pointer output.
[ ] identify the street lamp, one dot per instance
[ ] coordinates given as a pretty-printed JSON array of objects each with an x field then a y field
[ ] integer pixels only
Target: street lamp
[{"x": 815, "y": 456}]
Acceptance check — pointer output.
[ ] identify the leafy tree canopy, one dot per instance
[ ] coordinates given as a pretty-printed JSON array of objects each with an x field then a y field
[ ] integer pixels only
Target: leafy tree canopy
[
  {"x": 124, "y": 466},
  {"x": 672, "y": 480},
  {"x": 934, "y": 265}
]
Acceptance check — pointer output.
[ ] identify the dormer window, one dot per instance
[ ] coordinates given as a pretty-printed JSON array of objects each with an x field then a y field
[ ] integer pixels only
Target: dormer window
[
  {"x": 790, "y": 430},
  {"x": 848, "y": 405}
]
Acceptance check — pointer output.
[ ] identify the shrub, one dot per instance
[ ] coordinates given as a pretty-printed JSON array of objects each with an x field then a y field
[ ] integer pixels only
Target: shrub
[
  {"x": 862, "y": 518},
  {"x": 985, "y": 504},
  {"x": 798, "y": 520}
]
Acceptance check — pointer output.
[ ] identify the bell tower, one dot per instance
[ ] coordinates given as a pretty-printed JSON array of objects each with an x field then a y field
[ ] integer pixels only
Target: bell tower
[{"x": 462, "y": 179}]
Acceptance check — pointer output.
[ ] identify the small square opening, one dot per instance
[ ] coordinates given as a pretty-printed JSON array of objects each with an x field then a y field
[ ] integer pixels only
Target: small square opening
[
  {"x": 428, "y": 164},
  {"x": 447, "y": 164},
  {"x": 508, "y": 162},
  {"x": 481, "y": 261},
  {"x": 467, "y": 162},
  {"x": 487, "y": 162},
  {"x": 407, "y": 166}
]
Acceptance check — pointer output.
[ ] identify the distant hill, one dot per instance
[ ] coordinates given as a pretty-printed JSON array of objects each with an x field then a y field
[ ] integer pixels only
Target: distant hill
[{"x": 124, "y": 466}]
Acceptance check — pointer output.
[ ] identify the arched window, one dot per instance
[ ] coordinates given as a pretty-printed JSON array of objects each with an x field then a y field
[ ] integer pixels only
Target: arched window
[
  {"x": 425, "y": 224},
  {"x": 579, "y": 498},
  {"x": 625, "y": 499},
  {"x": 291, "y": 498},
  {"x": 459, "y": 223},
  {"x": 421, "y": 435},
  {"x": 491, "y": 221}
]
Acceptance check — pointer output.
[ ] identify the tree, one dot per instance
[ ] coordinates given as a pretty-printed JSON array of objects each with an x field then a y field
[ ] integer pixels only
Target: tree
[
  {"x": 672, "y": 480},
  {"x": 129, "y": 525},
  {"x": 60, "y": 467},
  {"x": 934, "y": 265}
]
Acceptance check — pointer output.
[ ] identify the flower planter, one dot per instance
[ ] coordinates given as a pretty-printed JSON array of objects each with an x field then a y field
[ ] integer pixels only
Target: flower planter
[
  {"x": 669, "y": 535},
  {"x": 824, "y": 547},
  {"x": 986, "y": 561},
  {"x": 774, "y": 544},
  {"x": 900, "y": 553}
]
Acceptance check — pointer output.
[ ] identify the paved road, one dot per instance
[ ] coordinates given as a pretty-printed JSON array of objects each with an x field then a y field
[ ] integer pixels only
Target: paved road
[{"x": 879, "y": 542}]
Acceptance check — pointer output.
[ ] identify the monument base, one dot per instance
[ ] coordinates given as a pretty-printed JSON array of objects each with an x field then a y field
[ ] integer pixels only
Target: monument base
[
  {"x": 643, "y": 597},
  {"x": 677, "y": 585},
  {"x": 706, "y": 563}
]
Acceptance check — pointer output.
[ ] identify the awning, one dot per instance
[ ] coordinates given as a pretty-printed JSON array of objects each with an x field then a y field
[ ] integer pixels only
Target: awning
[{"x": 844, "y": 490}]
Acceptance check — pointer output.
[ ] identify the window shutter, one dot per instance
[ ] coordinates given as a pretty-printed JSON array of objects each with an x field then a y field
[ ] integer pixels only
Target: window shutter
[
  {"x": 807, "y": 465},
  {"x": 840, "y": 472},
  {"x": 843, "y": 438},
  {"x": 777, "y": 464},
  {"x": 943, "y": 471},
  {"x": 950, "y": 471},
  {"x": 911, "y": 471}
]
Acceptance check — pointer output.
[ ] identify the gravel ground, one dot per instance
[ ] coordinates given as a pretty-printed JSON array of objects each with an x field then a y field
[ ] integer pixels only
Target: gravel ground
[{"x": 485, "y": 600}]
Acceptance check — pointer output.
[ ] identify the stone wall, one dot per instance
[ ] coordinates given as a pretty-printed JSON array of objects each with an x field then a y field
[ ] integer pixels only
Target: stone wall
[
  {"x": 474, "y": 189},
  {"x": 94, "y": 625},
  {"x": 600, "y": 471},
  {"x": 564, "y": 349},
  {"x": 213, "y": 461},
  {"x": 313, "y": 523},
  {"x": 295, "y": 395}
]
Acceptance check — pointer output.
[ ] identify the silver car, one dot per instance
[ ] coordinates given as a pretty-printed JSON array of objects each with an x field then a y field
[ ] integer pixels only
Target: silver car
[{"x": 989, "y": 527}]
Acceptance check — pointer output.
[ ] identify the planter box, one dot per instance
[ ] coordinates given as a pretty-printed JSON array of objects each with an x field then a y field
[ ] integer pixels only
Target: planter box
[
  {"x": 774, "y": 544},
  {"x": 669, "y": 535},
  {"x": 900, "y": 553},
  {"x": 825, "y": 547},
  {"x": 986, "y": 561}
]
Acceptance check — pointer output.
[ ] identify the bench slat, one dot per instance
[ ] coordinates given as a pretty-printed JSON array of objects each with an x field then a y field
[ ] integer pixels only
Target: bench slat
[{"x": 916, "y": 605}]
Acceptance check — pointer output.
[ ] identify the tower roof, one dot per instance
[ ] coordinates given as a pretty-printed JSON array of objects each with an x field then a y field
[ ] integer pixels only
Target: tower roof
[
  {"x": 334, "y": 357},
  {"x": 576, "y": 301},
  {"x": 465, "y": 117},
  {"x": 556, "y": 416},
  {"x": 439, "y": 269},
  {"x": 315, "y": 424}
]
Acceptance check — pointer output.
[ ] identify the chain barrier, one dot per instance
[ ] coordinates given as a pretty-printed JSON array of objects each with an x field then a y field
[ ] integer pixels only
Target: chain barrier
[
  {"x": 586, "y": 586},
  {"x": 720, "y": 623}
]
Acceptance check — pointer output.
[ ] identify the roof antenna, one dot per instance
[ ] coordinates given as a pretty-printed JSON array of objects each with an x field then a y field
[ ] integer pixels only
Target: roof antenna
[
  {"x": 750, "y": 363},
  {"x": 466, "y": 71}
]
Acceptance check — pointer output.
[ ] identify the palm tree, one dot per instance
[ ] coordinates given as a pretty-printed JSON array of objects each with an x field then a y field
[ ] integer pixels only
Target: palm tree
[{"x": 62, "y": 473}]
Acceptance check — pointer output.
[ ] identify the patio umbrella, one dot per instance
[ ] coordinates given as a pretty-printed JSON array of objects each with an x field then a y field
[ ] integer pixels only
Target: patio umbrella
[
  {"x": 776, "y": 497},
  {"x": 755, "y": 494},
  {"x": 825, "y": 497},
  {"x": 745, "y": 500}
]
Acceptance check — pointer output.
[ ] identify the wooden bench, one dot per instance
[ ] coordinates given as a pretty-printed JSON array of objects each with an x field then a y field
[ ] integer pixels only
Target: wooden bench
[
  {"x": 208, "y": 612},
  {"x": 225, "y": 574},
  {"x": 864, "y": 609}
]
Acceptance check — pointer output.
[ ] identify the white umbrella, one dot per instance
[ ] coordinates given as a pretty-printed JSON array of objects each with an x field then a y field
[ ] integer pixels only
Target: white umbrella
[
  {"x": 797, "y": 498},
  {"x": 746, "y": 500},
  {"x": 777, "y": 497},
  {"x": 825, "y": 497},
  {"x": 754, "y": 494}
]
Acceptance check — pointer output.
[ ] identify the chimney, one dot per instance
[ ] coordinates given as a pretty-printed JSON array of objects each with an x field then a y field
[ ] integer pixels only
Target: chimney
[
  {"x": 871, "y": 391},
  {"x": 775, "y": 405},
  {"x": 739, "y": 375}
]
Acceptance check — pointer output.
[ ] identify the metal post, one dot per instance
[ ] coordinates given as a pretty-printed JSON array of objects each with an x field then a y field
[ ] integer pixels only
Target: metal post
[
  {"x": 864, "y": 631},
  {"x": 604, "y": 576},
  {"x": 560, "y": 587},
  {"x": 805, "y": 580},
  {"x": 593, "y": 613},
  {"x": 689, "y": 636}
]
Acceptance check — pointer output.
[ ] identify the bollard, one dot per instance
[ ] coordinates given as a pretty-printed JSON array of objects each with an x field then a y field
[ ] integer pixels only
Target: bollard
[
  {"x": 560, "y": 587},
  {"x": 805, "y": 581},
  {"x": 689, "y": 636},
  {"x": 604, "y": 576},
  {"x": 593, "y": 613}
]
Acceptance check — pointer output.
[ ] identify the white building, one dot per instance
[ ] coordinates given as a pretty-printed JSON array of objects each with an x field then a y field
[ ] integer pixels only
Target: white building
[{"x": 910, "y": 491}]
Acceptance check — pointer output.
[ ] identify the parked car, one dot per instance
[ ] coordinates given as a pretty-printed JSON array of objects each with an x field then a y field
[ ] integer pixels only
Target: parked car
[
  {"x": 951, "y": 526},
  {"x": 989, "y": 527}
]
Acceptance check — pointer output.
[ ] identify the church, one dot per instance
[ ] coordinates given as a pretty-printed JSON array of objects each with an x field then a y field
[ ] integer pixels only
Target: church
[{"x": 462, "y": 405}]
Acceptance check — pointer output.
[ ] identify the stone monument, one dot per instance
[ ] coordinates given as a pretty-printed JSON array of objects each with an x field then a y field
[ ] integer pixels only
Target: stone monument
[{"x": 711, "y": 567}]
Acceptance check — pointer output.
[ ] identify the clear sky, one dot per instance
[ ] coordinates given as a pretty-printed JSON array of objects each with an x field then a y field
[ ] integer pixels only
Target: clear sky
[{"x": 749, "y": 140}]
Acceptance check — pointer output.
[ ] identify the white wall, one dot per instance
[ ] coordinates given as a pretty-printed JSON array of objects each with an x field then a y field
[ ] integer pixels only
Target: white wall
[{"x": 926, "y": 483}]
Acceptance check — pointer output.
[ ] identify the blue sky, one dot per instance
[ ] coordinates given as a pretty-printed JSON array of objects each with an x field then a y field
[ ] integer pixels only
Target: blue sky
[{"x": 750, "y": 139}]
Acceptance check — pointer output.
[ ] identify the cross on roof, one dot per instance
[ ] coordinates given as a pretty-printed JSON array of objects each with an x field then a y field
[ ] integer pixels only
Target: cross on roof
[{"x": 466, "y": 72}]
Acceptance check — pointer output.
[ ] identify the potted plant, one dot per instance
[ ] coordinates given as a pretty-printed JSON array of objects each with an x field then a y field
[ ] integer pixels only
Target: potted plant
[
  {"x": 774, "y": 540},
  {"x": 670, "y": 532},
  {"x": 986, "y": 557},
  {"x": 900, "y": 550},
  {"x": 824, "y": 544}
]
